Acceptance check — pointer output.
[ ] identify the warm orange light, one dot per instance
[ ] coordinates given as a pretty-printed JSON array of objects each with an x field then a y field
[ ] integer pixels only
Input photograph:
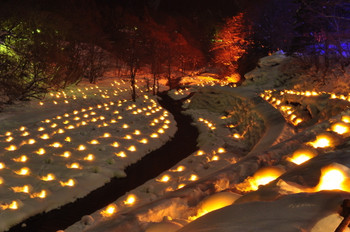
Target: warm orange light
[
  {"x": 302, "y": 155},
  {"x": 13, "y": 205},
  {"x": 200, "y": 152},
  {"x": 115, "y": 144},
  {"x": 322, "y": 141},
  {"x": 165, "y": 126},
  {"x": 128, "y": 137},
  {"x": 53, "y": 125},
  {"x": 48, "y": 177},
  {"x": 81, "y": 147},
  {"x": 66, "y": 154},
  {"x": 74, "y": 166},
  {"x": 193, "y": 177},
  {"x": 164, "y": 178},
  {"x": 130, "y": 200},
  {"x": 334, "y": 177},
  {"x": 11, "y": 148},
  {"x": 180, "y": 186},
  {"x": 106, "y": 135},
  {"x": 41, "y": 151},
  {"x": 132, "y": 148},
  {"x": 262, "y": 177},
  {"x": 161, "y": 131},
  {"x": 340, "y": 128},
  {"x": 68, "y": 139},
  {"x": 70, "y": 127},
  {"x": 236, "y": 135},
  {"x": 144, "y": 141},
  {"x": 94, "y": 141},
  {"x": 109, "y": 211},
  {"x": 42, "y": 194},
  {"x": 214, "y": 202},
  {"x": 345, "y": 118},
  {"x": 89, "y": 157},
  {"x": 21, "y": 189},
  {"x": 45, "y": 136},
  {"x": 121, "y": 154},
  {"x": 69, "y": 183},
  {"x": 154, "y": 135},
  {"x": 2, "y": 165},
  {"x": 221, "y": 150},
  {"x": 22, "y": 159},
  {"x": 180, "y": 168},
  {"x": 23, "y": 171},
  {"x": 215, "y": 158},
  {"x": 9, "y": 139},
  {"x": 137, "y": 132},
  {"x": 56, "y": 145}
]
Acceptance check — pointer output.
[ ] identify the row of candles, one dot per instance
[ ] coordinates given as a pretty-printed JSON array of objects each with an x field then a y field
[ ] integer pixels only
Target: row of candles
[{"x": 24, "y": 143}]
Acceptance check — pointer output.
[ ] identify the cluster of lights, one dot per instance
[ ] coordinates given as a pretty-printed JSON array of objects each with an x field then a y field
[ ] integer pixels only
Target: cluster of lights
[
  {"x": 23, "y": 144},
  {"x": 209, "y": 124},
  {"x": 289, "y": 113}
]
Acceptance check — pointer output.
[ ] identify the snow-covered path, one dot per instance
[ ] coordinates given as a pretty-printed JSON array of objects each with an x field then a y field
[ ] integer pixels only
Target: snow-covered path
[{"x": 179, "y": 203}]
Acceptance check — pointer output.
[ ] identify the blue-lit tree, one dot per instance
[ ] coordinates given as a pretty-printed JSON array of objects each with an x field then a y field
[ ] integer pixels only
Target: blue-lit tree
[{"x": 323, "y": 31}]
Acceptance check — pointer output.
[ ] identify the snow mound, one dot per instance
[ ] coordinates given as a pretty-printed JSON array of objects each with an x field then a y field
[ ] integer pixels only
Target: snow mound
[
  {"x": 292, "y": 213},
  {"x": 272, "y": 71}
]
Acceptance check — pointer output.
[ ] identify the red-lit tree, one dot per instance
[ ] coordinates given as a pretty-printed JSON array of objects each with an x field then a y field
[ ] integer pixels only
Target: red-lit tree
[{"x": 230, "y": 43}]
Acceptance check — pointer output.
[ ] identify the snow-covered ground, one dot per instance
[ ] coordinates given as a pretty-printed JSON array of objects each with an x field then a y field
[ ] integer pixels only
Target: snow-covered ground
[
  {"x": 59, "y": 149},
  {"x": 265, "y": 154}
]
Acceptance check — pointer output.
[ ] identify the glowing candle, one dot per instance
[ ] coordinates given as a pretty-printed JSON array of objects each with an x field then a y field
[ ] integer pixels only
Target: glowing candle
[
  {"x": 109, "y": 211},
  {"x": 23, "y": 171},
  {"x": 106, "y": 135},
  {"x": 81, "y": 147},
  {"x": 94, "y": 141},
  {"x": 221, "y": 150},
  {"x": 128, "y": 137},
  {"x": 69, "y": 183},
  {"x": 165, "y": 178},
  {"x": 200, "y": 152},
  {"x": 193, "y": 177},
  {"x": 56, "y": 145},
  {"x": 130, "y": 200},
  {"x": 13, "y": 205},
  {"x": 89, "y": 157},
  {"x": 23, "y": 189},
  {"x": 41, "y": 151},
  {"x": 74, "y": 166},
  {"x": 48, "y": 177},
  {"x": 121, "y": 154},
  {"x": 154, "y": 135},
  {"x": 45, "y": 136},
  {"x": 42, "y": 194},
  {"x": 11, "y": 148},
  {"x": 22, "y": 159},
  {"x": 66, "y": 154},
  {"x": 9, "y": 139},
  {"x": 144, "y": 141}
]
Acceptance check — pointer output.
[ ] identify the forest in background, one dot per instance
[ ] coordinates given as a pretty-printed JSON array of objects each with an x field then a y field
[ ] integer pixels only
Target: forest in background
[{"x": 48, "y": 45}]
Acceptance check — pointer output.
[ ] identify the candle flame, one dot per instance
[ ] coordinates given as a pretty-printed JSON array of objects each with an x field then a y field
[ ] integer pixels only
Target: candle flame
[{"x": 109, "y": 211}]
